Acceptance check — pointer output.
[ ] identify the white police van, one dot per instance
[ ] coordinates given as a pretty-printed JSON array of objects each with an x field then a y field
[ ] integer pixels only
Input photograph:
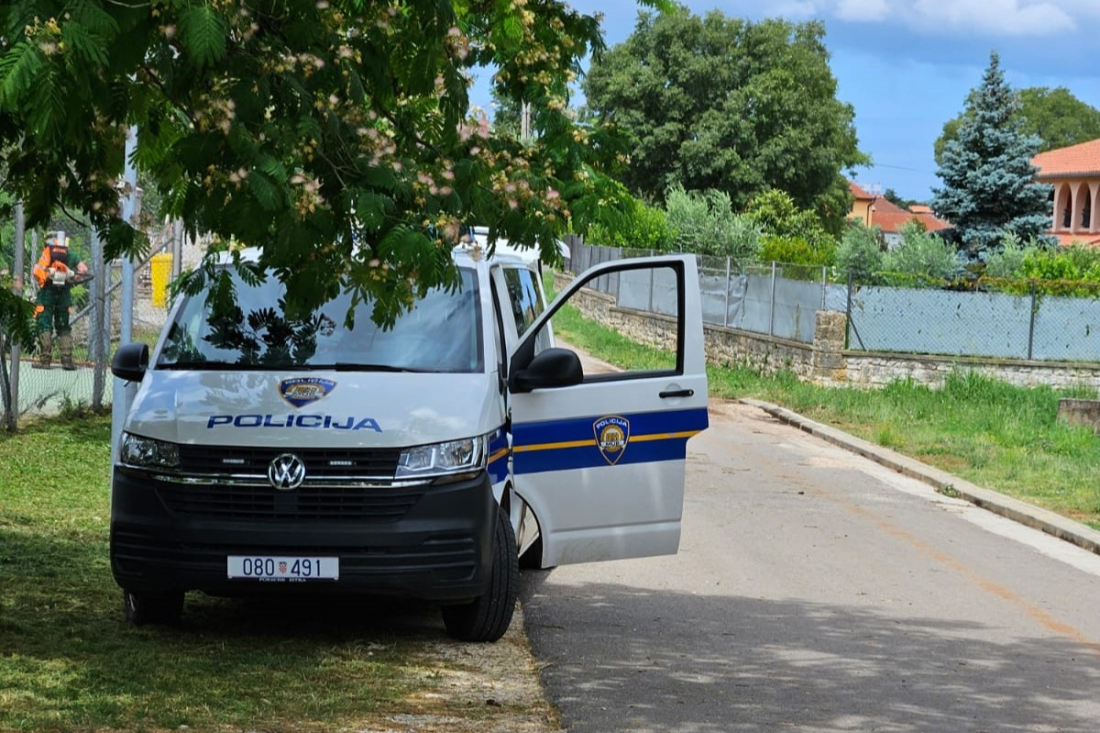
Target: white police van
[{"x": 263, "y": 455}]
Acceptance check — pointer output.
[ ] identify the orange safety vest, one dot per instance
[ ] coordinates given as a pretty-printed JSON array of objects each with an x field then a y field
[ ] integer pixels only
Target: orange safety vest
[{"x": 53, "y": 255}]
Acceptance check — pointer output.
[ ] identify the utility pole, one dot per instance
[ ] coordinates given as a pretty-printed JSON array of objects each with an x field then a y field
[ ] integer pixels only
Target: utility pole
[{"x": 122, "y": 392}]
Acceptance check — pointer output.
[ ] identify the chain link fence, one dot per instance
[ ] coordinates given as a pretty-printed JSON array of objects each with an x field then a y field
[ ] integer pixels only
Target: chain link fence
[
  {"x": 1004, "y": 319},
  {"x": 1000, "y": 319},
  {"x": 774, "y": 298},
  {"x": 96, "y": 317}
]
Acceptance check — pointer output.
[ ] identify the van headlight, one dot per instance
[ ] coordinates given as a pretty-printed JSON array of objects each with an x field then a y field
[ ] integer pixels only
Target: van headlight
[
  {"x": 451, "y": 460},
  {"x": 139, "y": 452}
]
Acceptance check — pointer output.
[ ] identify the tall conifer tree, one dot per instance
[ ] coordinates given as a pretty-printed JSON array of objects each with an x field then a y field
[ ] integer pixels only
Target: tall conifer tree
[{"x": 989, "y": 181}]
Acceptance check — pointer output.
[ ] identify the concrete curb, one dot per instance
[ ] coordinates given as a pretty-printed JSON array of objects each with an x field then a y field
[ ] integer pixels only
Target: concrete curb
[{"x": 1032, "y": 516}]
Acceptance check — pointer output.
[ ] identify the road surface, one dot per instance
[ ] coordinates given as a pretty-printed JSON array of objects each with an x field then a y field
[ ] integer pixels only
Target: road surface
[{"x": 817, "y": 591}]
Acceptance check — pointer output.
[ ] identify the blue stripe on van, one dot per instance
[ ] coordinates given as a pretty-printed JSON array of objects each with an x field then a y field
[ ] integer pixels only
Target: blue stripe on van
[
  {"x": 498, "y": 457},
  {"x": 571, "y": 444}
]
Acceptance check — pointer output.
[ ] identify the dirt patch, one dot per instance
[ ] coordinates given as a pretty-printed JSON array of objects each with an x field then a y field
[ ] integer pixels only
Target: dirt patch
[{"x": 482, "y": 688}]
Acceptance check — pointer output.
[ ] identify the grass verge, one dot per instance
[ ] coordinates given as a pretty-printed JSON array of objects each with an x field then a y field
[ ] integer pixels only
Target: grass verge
[
  {"x": 1002, "y": 437},
  {"x": 69, "y": 661}
]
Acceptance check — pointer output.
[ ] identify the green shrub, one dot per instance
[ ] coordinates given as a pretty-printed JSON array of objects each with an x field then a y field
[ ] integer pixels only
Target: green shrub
[
  {"x": 646, "y": 227},
  {"x": 796, "y": 251},
  {"x": 1009, "y": 261},
  {"x": 860, "y": 252},
  {"x": 777, "y": 214},
  {"x": 922, "y": 254},
  {"x": 703, "y": 222}
]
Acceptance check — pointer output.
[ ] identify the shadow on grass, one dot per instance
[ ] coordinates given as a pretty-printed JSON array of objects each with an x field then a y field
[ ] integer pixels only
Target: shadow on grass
[
  {"x": 636, "y": 660},
  {"x": 68, "y": 658}
]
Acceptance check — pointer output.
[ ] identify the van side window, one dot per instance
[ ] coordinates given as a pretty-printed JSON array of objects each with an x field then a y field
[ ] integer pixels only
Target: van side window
[{"x": 523, "y": 295}]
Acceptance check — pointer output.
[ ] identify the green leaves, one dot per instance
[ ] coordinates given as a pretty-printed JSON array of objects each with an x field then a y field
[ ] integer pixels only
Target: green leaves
[
  {"x": 16, "y": 316},
  {"x": 723, "y": 103},
  {"x": 300, "y": 128},
  {"x": 203, "y": 34},
  {"x": 20, "y": 65}
]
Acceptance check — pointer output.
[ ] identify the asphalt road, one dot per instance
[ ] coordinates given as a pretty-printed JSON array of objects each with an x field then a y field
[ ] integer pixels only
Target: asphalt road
[{"x": 818, "y": 591}]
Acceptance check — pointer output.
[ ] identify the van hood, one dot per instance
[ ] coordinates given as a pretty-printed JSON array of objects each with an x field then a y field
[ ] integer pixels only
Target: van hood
[{"x": 314, "y": 409}]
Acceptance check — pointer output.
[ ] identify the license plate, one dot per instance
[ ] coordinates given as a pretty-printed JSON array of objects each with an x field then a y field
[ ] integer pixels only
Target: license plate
[{"x": 277, "y": 569}]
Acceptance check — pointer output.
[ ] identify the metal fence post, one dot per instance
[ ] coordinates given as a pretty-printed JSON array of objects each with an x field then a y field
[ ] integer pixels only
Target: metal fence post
[
  {"x": 824, "y": 285},
  {"x": 1031, "y": 325},
  {"x": 771, "y": 309},
  {"x": 848, "y": 313},
  {"x": 98, "y": 346},
  {"x": 651, "y": 270},
  {"x": 18, "y": 270},
  {"x": 726, "y": 312}
]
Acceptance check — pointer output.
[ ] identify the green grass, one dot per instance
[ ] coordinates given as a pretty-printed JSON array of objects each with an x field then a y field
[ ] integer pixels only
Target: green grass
[
  {"x": 996, "y": 435},
  {"x": 69, "y": 661},
  {"x": 81, "y": 353}
]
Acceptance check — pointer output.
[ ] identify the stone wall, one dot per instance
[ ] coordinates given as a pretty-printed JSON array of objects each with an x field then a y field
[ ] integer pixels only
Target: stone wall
[
  {"x": 876, "y": 370},
  {"x": 724, "y": 346},
  {"x": 826, "y": 362}
]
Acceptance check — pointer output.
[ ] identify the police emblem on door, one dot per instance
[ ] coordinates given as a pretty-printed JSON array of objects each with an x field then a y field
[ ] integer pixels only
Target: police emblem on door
[{"x": 612, "y": 435}]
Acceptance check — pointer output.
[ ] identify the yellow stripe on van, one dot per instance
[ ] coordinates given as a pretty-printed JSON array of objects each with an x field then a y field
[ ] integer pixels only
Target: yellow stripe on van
[
  {"x": 663, "y": 436},
  {"x": 592, "y": 443},
  {"x": 552, "y": 446}
]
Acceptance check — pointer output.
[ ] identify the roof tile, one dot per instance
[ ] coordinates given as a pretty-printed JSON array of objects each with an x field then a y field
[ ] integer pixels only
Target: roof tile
[{"x": 1081, "y": 159}]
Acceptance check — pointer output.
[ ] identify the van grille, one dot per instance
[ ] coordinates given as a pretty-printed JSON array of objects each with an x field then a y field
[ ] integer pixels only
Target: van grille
[
  {"x": 356, "y": 463},
  {"x": 352, "y": 485},
  {"x": 310, "y": 502}
]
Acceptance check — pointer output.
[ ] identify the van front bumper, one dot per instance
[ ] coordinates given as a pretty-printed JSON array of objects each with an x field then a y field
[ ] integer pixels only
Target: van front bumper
[{"x": 438, "y": 549}]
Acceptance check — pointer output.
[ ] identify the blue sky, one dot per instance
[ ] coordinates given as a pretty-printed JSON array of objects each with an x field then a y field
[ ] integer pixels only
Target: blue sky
[{"x": 906, "y": 66}]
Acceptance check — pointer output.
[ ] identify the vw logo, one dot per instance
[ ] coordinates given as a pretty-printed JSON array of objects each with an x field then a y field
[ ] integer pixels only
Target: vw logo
[{"x": 286, "y": 472}]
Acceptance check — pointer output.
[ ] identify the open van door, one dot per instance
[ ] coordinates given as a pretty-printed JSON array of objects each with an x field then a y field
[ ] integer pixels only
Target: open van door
[{"x": 600, "y": 458}]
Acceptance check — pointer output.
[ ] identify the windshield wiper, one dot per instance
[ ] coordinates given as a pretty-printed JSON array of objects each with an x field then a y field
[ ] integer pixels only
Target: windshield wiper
[
  {"x": 351, "y": 366},
  {"x": 341, "y": 366},
  {"x": 227, "y": 365}
]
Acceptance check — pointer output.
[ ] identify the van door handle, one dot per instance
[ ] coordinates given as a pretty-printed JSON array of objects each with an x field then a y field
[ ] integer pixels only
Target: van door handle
[{"x": 677, "y": 393}]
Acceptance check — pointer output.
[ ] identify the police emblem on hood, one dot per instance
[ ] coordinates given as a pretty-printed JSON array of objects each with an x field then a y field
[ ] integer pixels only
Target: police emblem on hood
[
  {"x": 301, "y": 391},
  {"x": 612, "y": 435}
]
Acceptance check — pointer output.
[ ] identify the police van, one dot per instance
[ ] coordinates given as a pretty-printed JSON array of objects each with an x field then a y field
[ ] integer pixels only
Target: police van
[{"x": 264, "y": 455}]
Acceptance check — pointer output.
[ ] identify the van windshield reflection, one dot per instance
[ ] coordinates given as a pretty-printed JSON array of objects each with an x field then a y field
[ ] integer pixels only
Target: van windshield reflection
[{"x": 442, "y": 333}]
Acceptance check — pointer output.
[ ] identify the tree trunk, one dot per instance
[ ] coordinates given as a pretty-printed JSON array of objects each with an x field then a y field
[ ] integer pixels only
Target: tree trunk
[{"x": 10, "y": 410}]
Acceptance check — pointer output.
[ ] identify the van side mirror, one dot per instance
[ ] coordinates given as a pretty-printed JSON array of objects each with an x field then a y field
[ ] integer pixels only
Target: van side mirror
[
  {"x": 554, "y": 367},
  {"x": 130, "y": 362}
]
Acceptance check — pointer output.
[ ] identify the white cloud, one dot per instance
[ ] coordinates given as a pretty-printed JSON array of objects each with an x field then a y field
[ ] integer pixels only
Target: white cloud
[
  {"x": 795, "y": 9},
  {"x": 996, "y": 18},
  {"x": 863, "y": 11},
  {"x": 1011, "y": 18}
]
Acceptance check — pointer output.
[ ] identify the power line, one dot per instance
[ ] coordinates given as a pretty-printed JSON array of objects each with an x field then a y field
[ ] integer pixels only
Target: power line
[{"x": 901, "y": 168}]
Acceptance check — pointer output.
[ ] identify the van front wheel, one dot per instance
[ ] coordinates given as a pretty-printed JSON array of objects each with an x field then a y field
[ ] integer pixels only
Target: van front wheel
[
  {"x": 487, "y": 618},
  {"x": 153, "y": 608}
]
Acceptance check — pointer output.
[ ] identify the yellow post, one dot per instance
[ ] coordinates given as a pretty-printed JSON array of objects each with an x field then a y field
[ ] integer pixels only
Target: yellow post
[{"x": 161, "y": 271}]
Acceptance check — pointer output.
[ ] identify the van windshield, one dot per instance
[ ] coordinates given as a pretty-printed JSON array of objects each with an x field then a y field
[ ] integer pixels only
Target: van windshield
[{"x": 442, "y": 333}]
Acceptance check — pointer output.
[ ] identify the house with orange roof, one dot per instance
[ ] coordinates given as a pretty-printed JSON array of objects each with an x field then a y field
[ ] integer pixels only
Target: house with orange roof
[
  {"x": 874, "y": 210},
  {"x": 1075, "y": 174},
  {"x": 861, "y": 205}
]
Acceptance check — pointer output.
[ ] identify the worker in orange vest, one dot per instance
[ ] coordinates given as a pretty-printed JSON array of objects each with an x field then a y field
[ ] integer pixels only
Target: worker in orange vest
[{"x": 56, "y": 272}]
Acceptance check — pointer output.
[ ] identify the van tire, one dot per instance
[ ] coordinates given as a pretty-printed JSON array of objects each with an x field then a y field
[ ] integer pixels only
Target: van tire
[
  {"x": 487, "y": 617},
  {"x": 153, "y": 608}
]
